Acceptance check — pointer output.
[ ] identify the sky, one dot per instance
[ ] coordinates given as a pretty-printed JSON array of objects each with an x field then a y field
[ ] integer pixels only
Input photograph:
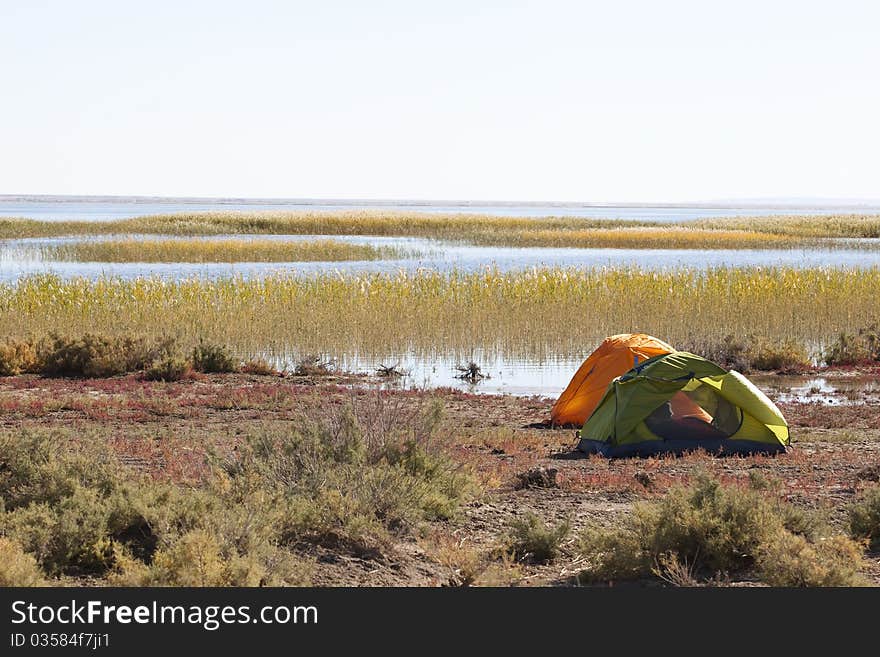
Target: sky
[{"x": 630, "y": 101}]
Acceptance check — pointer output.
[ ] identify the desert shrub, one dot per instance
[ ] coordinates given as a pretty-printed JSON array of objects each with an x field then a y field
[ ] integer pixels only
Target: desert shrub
[
  {"x": 313, "y": 366},
  {"x": 464, "y": 564},
  {"x": 17, "y": 568},
  {"x": 864, "y": 517},
  {"x": 788, "y": 559},
  {"x": 17, "y": 357},
  {"x": 789, "y": 356},
  {"x": 95, "y": 356},
  {"x": 529, "y": 538},
  {"x": 76, "y": 513},
  {"x": 72, "y": 537},
  {"x": 675, "y": 571},
  {"x": 170, "y": 368},
  {"x": 854, "y": 349},
  {"x": 44, "y": 467},
  {"x": 350, "y": 477},
  {"x": 715, "y": 528},
  {"x": 64, "y": 504},
  {"x": 213, "y": 358},
  {"x": 194, "y": 560},
  {"x": 259, "y": 367},
  {"x": 359, "y": 472}
]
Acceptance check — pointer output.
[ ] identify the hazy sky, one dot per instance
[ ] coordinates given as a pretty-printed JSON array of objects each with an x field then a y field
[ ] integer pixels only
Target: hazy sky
[{"x": 547, "y": 100}]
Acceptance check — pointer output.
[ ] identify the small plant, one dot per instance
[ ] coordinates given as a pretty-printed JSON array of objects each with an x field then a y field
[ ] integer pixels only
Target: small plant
[
  {"x": 17, "y": 568},
  {"x": 864, "y": 517},
  {"x": 170, "y": 368},
  {"x": 537, "y": 477},
  {"x": 463, "y": 562},
  {"x": 213, "y": 359},
  {"x": 313, "y": 366},
  {"x": 788, "y": 559},
  {"x": 259, "y": 367},
  {"x": 530, "y": 539},
  {"x": 675, "y": 571},
  {"x": 17, "y": 357},
  {"x": 854, "y": 349},
  {"x": 731, "y": 352},
  {"x": 471, "y": 373},
  {"x": 389, "y": 371},
  {"x": 790, "y": 356}
]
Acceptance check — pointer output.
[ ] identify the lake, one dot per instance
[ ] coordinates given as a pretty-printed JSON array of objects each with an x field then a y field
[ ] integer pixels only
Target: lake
[
  {"x": 107, "y": 209},
  {"x": 17, "y": 259},
  {"x": 519, "y": 377}
]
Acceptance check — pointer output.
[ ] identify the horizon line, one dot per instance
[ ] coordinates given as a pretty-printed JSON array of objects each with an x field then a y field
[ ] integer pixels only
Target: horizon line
[{"x": 770, "y": 202}]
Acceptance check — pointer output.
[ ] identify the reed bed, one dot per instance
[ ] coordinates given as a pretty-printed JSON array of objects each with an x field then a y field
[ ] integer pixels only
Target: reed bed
[
  {"x": 819, "y": 226},
  {"x": 749, "y": 232},
  {"x": 171, "y": 250},
  {"x": 536, "y": 314},
  {"x": 648, "y": 238},
  {"x": 439, "y": 226}
]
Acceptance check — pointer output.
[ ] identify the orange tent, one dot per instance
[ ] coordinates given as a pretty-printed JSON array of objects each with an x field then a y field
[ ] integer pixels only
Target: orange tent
[{"x": 614, "y": 357}]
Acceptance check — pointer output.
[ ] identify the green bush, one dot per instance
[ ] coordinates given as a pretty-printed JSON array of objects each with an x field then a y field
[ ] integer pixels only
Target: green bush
[
  {"x": 45, "y": 467},
  {"x": 93, "y": 356},
  {"x": 787, "y": 559},
  {"x": 70, "y": 538},
  {"x": 213, "y": 358},
  {"x": 864, "y": 518},
  {"x": 530, "y": 539},
  {"x": 718, "y": 529}
]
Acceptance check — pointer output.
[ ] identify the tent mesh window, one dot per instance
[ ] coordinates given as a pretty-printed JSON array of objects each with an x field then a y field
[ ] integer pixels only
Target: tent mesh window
[{"x": 696, "y": 412}]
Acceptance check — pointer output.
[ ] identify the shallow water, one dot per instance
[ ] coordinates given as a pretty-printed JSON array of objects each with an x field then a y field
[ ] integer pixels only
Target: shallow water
[
  {"x": 514, "y": 377},
  {"x": 17, "y": 259},
  {"x": 109, "y": 209},
  {"x": 838, "y": 391},
  {"x": 549, "y": 378}
]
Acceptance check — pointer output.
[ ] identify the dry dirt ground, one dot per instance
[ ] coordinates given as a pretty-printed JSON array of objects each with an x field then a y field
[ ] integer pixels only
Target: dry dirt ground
[{"x": 165, "y": 429}]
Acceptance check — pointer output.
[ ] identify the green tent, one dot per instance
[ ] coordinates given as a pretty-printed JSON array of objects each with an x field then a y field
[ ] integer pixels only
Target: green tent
[{"x": 679, "y": 402}]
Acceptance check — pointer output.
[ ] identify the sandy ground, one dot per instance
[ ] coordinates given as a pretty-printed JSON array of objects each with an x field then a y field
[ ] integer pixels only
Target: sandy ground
[{"x": 165, "y": 428}]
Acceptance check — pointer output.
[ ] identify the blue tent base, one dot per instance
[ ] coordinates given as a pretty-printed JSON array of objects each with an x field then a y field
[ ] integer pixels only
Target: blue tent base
[{"x": 720, "y": 447}]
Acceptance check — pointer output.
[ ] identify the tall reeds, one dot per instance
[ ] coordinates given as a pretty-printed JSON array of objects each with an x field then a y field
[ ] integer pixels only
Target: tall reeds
[{"x": 537, "y": 314}]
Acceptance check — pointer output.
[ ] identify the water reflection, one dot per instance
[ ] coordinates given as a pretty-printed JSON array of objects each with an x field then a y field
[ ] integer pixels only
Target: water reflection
[{"x": 18, "y": 258}]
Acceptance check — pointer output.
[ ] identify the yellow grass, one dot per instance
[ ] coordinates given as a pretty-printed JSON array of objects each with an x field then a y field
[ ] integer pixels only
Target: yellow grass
[
  {"x": 836, "y": 225},
  {"x": 542, "y": 313},
  {"x": 133, "y": 250}
]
